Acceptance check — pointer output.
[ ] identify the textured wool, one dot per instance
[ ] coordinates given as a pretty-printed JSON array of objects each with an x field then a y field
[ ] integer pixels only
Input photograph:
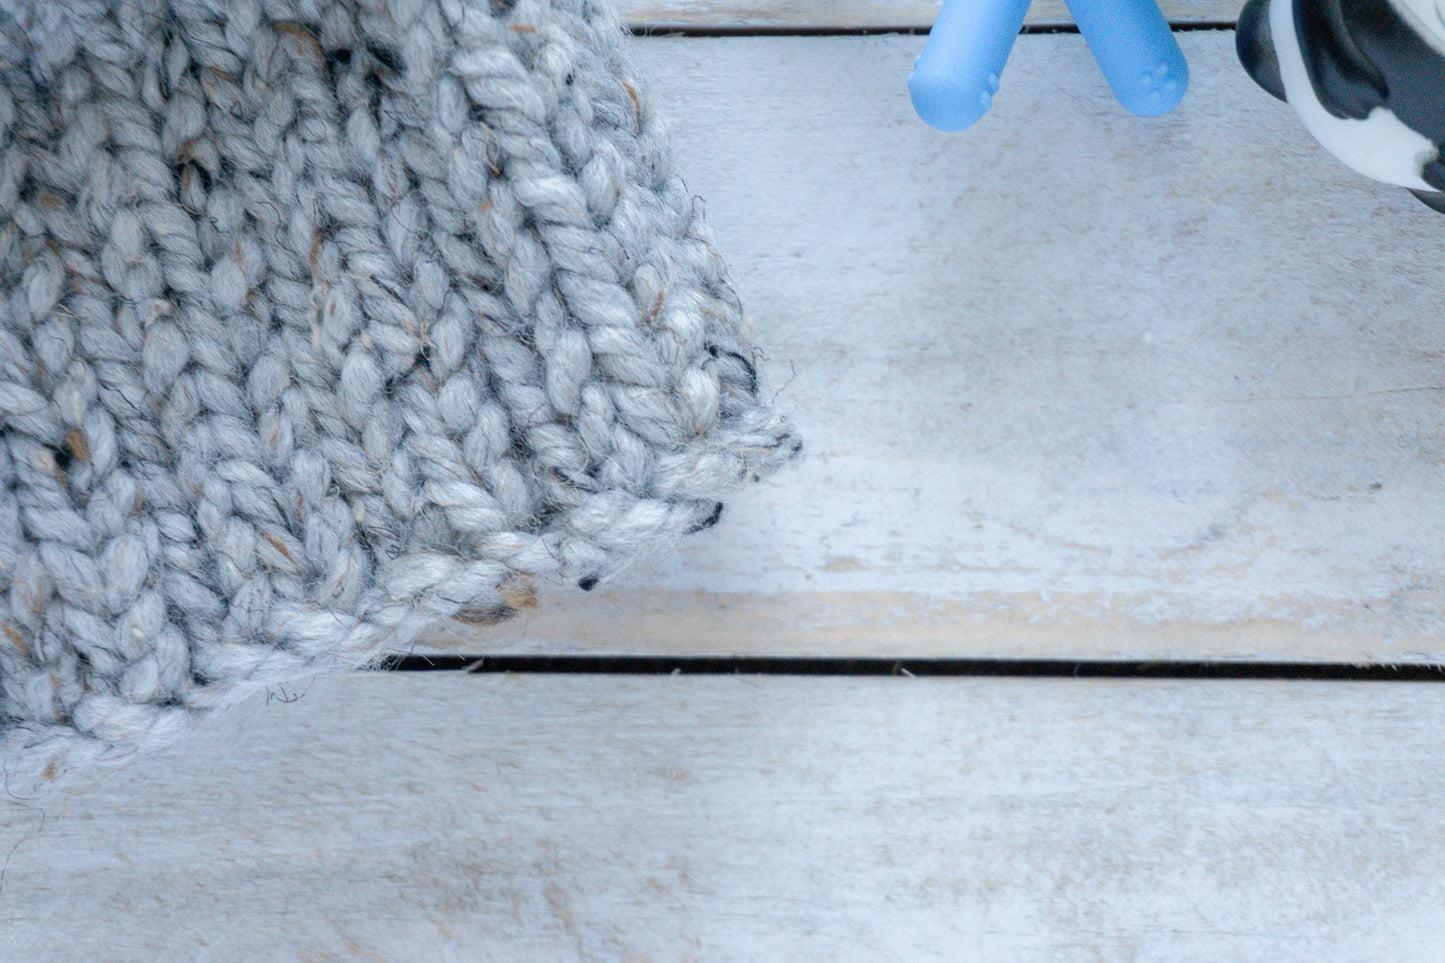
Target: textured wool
[{"x": 322, "y": 321}]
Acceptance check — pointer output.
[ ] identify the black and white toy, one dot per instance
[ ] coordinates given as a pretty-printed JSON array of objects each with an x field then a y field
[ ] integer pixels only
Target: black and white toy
[{"x": 1366, "y": 77}]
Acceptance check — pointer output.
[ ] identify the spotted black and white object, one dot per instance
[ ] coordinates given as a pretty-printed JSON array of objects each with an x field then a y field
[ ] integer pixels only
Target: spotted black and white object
[{"x": 1366, "y": 77}]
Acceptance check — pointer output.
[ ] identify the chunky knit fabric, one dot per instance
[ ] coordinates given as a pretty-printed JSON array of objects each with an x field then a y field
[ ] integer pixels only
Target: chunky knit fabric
[{"x": 322, "y": 321}]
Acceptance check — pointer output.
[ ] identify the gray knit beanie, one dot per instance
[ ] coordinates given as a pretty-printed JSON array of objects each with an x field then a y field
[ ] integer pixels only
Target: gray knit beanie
[{"x": 322, "y": 321}]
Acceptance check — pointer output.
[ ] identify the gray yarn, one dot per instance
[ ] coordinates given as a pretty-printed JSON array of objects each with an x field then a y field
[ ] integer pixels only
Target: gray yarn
[{"x": 322, "y": 321}]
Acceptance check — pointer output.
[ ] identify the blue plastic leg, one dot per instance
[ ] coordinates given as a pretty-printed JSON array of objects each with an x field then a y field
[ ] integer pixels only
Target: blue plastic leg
[
  {"x": 1136, "y": 51},
  {"x": 956, "y": 76}
]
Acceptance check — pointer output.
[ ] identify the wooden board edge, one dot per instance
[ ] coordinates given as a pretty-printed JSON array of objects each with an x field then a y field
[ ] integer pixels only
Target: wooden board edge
[{"x": 887, "y": 624}]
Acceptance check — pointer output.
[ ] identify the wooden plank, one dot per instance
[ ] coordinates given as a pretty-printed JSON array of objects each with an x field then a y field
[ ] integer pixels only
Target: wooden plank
[
  {"x": 744, "y": 818},
  {"x": 1074, "y": 383},
  {"x": 650, "y": 16}
]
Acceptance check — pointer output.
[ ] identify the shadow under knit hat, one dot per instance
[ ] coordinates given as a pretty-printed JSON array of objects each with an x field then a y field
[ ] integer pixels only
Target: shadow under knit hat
[{"x": 322, "y": 321}]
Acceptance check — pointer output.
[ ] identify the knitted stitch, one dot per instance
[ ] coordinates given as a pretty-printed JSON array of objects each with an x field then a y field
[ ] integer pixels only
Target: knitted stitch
[{"x": 322, "y": 321}]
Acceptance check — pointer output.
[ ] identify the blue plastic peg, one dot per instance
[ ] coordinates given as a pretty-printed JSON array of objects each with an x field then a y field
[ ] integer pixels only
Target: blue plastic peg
[
  {"x": 1136, "y": 51},
  {"x": 955, "y": 78}
]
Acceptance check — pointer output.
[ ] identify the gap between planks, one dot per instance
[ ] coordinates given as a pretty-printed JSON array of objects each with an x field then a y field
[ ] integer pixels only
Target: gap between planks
[
  {"x": 665, "y": 29},
  {"x": 794, "y": 17},
  {"x": 922, "y": 668}
]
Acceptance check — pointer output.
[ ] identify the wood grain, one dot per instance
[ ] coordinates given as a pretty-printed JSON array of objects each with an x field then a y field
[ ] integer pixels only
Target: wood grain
[
  {"x": 1075, "y": 384},
  {"x": 505, "y": 818},
  {"x": 648, "y": 16}
]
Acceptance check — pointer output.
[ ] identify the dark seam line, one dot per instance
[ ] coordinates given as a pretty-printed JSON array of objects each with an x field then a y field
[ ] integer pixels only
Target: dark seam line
[
  {"x": 645, "y": 30},
  {"x": 956, "y": 668}
]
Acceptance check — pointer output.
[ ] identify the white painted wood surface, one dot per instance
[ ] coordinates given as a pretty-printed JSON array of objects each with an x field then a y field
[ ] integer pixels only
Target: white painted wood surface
[
  {"x": 1074, "y": 383},
  {"x": 444, "y": 817},
  {"x": 646, "y": 16}
]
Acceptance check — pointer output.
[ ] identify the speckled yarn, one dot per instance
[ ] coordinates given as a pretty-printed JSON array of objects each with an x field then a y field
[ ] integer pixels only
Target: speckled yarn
[{"x": 323, "y": 321}]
